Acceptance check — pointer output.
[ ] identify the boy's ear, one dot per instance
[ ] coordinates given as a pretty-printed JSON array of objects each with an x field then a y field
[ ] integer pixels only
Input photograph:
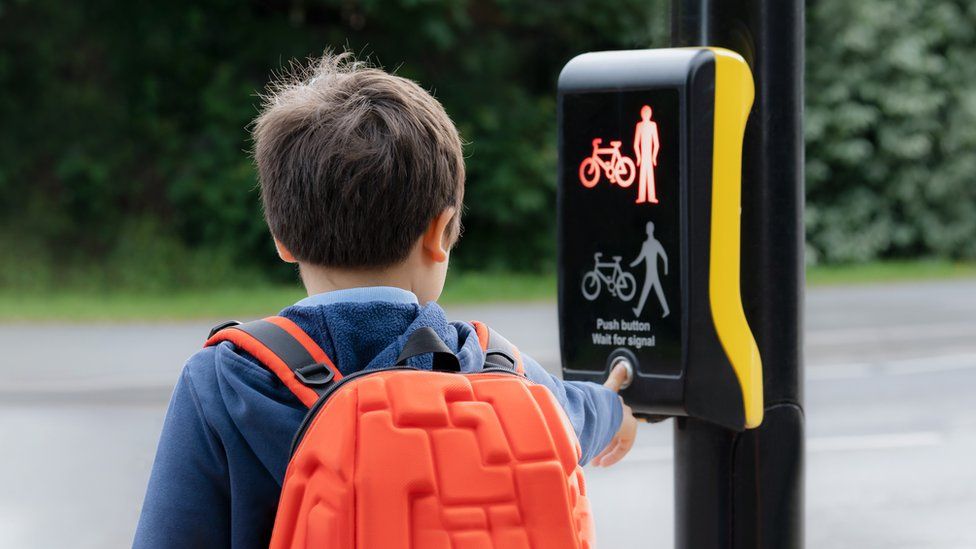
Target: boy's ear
[
  {"x": 283, "y": 252},
  {"x": 436, "y": 240}
]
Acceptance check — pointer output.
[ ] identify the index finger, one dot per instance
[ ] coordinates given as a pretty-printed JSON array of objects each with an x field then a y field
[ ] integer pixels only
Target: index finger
[{"x": 619, "y": 377}]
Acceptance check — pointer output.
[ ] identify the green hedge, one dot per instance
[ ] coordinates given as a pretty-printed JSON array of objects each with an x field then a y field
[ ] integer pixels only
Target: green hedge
[
  {"x": 123, "y": 150},
  {"x": 123, "y": 153},
  {"x": 891, "y": 129}
]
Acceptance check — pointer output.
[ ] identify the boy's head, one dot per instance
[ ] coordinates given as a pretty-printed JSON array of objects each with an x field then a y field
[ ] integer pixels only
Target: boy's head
[{"x": 361, "y": 171}]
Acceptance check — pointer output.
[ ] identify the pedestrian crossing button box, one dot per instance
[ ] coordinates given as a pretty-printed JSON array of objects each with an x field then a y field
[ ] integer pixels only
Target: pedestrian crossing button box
[{"x": 649, "y": 184}]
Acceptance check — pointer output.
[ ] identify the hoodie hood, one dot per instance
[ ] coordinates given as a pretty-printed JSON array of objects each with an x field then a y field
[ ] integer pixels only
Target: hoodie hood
[{"x": 370, "y": 335}]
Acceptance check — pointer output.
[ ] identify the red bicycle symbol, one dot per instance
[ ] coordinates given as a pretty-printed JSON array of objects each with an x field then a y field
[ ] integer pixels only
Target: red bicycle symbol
[{"x": 618, "y": 169}]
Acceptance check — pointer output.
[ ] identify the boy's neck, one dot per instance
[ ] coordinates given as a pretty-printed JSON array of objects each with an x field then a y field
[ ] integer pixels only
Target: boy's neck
[{"x": 318, "y": 280}]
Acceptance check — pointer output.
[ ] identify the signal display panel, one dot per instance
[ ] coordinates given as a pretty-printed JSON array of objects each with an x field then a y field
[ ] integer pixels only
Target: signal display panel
[{"x": 620, "y": 232}]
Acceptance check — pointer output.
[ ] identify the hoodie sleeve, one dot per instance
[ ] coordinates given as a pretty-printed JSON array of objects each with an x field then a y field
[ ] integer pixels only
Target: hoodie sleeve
[
  {"x": 594, "y": 410},
  {"x": 188, "y": 499}
]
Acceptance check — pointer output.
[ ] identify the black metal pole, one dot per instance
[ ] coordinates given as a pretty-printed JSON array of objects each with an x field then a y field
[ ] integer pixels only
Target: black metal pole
[{"x": 745, "y": 490}]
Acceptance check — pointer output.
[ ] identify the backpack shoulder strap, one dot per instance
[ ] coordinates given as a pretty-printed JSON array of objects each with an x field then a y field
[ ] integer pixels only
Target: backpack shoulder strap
[
  {"x": 286, "y": 350},
  {"x": 499, "y": 352}
]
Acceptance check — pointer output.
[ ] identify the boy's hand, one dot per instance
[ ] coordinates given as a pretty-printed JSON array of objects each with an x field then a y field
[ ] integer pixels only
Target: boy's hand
[{"x": 623, "y": 441}]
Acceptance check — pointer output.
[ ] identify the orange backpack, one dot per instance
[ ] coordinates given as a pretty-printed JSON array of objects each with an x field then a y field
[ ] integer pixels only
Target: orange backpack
[{"x": 407, "y": 458}]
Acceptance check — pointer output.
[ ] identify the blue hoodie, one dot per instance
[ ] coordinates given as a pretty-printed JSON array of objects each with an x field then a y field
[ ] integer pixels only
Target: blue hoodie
[{"x": 226, "y": 438}]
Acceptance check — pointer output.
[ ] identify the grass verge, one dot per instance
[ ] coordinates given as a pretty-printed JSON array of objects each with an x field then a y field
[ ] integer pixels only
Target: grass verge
[
  {"x": 461, "y": 288},
  {"x": 884, "y": 272},
  {"x": 235, "y": 302}
]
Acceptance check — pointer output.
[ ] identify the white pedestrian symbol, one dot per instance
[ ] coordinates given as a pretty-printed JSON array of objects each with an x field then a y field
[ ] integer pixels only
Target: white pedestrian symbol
[{"x": 650, "y": 250}]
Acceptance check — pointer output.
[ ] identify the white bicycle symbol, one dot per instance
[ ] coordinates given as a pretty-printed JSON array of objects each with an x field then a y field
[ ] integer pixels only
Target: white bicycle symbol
[{"x": 619, "y": 283}]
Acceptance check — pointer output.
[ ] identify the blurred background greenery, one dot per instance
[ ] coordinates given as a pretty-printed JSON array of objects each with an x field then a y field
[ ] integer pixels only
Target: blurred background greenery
[
  {"x": 891, "y": 130},
  {"x": 123, "y": 156}
]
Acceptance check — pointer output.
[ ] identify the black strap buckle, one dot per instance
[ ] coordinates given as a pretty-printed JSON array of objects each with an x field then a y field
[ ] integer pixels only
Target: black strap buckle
[
  {"x": 492, "y": 357},
  {"x": 315, "y": 375},
  {"x": 222, "y": 326},
  {"x": 424, "y": 341}
]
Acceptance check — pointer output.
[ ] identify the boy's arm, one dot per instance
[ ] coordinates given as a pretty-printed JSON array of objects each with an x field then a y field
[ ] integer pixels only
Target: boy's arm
[
  {"x": 595, "y": 411},
  {"x": 625, "y": 437},
  {"x": 188, "y": 499}
]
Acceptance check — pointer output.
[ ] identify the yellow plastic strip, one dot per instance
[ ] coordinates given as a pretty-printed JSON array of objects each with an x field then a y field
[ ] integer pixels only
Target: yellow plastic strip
[{"x": 734, "y": 94}]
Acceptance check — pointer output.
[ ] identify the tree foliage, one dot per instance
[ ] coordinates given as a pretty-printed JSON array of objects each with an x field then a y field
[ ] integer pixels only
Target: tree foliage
[
  {"x": 125, "y": 123},
  {"x": 891, "y": 129},
  {"x": 124, "y": 142}
]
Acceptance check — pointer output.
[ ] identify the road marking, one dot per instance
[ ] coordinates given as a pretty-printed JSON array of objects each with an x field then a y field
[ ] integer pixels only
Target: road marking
[
  {"x": 849, "y": 370},
  {"x": 875, "y": 442},
  {"x": 847, "y": 443},
  {"x": 92, "y": 384},
  {"x": 902, "y": 332},
  {"x": 900, "y": 367},
  {"x": 944, "y": 363}
]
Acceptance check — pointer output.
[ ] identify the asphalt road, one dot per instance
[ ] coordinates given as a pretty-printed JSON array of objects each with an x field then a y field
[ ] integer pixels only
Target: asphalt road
[{"x": 891, "y": 425}]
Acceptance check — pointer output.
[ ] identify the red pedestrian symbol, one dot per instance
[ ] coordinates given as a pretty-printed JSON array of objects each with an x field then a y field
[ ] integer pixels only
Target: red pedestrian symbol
[{"x": 646, "y": 146}]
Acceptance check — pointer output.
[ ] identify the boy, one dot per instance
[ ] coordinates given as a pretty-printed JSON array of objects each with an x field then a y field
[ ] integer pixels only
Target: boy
[{"x": 362, "y": 180}]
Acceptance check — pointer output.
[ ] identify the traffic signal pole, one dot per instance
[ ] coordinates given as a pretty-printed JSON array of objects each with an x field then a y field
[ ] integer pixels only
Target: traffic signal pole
[{"x": 745, "y": 490}]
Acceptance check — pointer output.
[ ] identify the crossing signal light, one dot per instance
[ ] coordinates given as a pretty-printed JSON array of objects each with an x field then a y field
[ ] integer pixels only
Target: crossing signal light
[{"x": 650, "y": 156}]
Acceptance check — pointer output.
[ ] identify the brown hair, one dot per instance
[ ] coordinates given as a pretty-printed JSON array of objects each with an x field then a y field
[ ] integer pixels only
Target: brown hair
[{"x": 354, "y": 163}]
